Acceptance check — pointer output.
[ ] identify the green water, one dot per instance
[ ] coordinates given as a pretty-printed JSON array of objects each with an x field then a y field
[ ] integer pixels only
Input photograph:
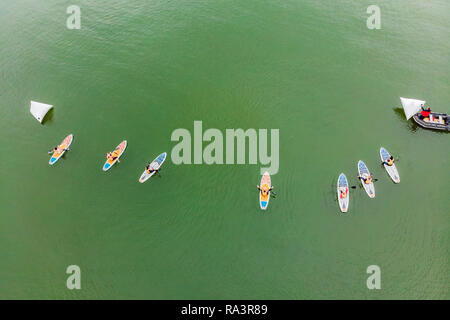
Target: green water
[{"x": 138, "y": 70}]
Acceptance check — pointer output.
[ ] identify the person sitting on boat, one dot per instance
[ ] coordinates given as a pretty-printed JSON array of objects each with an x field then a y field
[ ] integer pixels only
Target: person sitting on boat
[
  {"x": 150, "y": 169},
  {"x": 366, "y": 178},
  {"x": 389, "y": 162},
  {"x": 343, "y": 193},
  {"x": 425, "y": 113},
  {"x": 265, "y": 190}
]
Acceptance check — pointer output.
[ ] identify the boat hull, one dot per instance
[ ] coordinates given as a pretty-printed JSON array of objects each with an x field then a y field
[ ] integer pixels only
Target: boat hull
[{"x": 435, "y": 125}]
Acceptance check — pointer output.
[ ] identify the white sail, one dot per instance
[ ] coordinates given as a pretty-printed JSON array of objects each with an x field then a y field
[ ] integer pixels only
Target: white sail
[
  {"x": 411, "y": 106},
  {"x": 39, "y": 110}
]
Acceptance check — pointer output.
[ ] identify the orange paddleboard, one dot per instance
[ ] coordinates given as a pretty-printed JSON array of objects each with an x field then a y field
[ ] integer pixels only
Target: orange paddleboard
[
  {"x": 118, "y": 151},
  {"x": 61, "y": 149},
  {"x": 264, "y": 185}
]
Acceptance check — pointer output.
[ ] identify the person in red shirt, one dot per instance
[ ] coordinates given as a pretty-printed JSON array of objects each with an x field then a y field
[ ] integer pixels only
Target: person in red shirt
[{"x": 425, "y": 113}]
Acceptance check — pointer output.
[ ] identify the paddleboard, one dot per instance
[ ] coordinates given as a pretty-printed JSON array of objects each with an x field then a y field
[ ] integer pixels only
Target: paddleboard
[
  {"x": 342, "y": 186},
  {"x": 62, "y": 148},
  {"x": 264, "y": 199},
  {"x": 118, "y": 151},
  {"x": 391, "y": 170},
  {"x": 364, "y": 171},
  {"x": 156, "y": 164}
]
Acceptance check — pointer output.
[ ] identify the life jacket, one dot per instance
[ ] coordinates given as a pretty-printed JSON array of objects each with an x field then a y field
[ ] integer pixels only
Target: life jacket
[
  {"x": 425, "y": 112},
  {"x": 368, "y": 180}
]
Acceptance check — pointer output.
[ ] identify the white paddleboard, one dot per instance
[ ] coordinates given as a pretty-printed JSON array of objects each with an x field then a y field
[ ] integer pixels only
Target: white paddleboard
[
  {"x": 155, "y": 165},
  {"x": 364, "y": 171},
  {"x": 391, "y": 170},
  {"x": 342, "y": 189}
]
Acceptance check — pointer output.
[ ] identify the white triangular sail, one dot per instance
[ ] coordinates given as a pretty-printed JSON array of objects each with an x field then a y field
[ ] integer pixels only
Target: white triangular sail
[
  {"x": 39, "y": 110},
  {"x": 411, "y": 106}
]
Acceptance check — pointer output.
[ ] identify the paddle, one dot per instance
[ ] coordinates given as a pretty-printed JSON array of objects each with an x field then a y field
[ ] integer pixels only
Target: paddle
[
  {"x": 273, "y": 195},
  {"x": 354, "y": 187},
  {"x": 52, "y": 151}
]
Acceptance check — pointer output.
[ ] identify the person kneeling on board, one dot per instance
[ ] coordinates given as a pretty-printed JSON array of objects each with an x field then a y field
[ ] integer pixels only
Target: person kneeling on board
[
  {"x": 57, "y": 150},
  {"x": 367, "y": 179},
  {"x": 389, "y": 162},
  {"x": 425, "y": 113},
  {"x": 265, "y": 191},
  {"x": 150, "y": 169},
  {"x": 343, "y": 193},
  {"x": 112, "y": 157}
]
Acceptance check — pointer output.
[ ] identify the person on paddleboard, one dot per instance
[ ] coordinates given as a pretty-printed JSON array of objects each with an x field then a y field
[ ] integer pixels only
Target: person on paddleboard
[
  {"x": 112, "y": 156},
  {"x": 265, "y": 190},
  {"x": 150, "y": 169},
  {"x": 389, "y": 162},
  {"x": 425, "y": 113},
  {"x": 366, "y": 178},
  {"x": 57, "y": 149},
  {"x": 343, "y": 193}
]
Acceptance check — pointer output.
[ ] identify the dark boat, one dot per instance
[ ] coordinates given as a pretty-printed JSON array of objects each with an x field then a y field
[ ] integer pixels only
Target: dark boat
[{"x": 436, "y": 121}]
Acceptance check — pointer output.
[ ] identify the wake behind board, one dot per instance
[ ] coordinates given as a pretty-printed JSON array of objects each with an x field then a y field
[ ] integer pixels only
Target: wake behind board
[
  {"x": 61, "y": 149},
  {"x": 342, "y": 192},
  {"x": 155, "y": 165},
  {"x": 265, "y": 183},
  {"x": 391, "y": 170},
  {"x": 115, "y": 154},
  {"x": 364, "y": 172}
]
